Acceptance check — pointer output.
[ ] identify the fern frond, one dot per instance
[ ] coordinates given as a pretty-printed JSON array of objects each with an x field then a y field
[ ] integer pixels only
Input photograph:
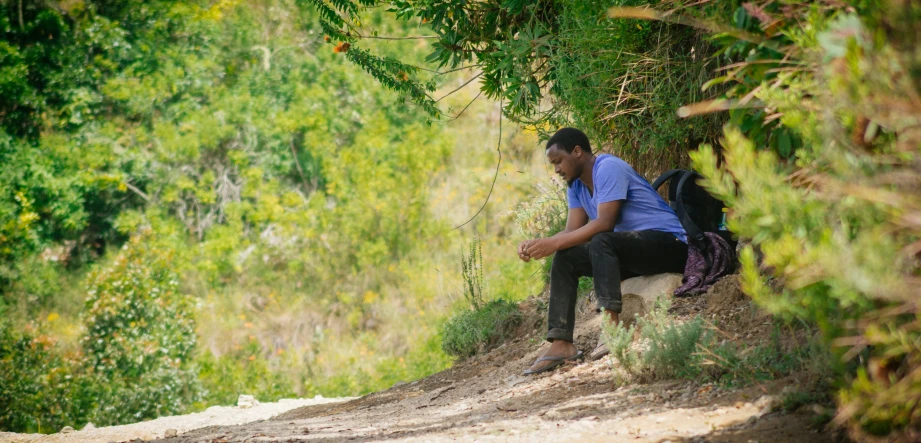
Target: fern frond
[
  {"x": 345, "y": 6},
  {"x": 395, "y": 76},
  {"x": 327, "y": 13},
  {"x": 334, "y": 32}
]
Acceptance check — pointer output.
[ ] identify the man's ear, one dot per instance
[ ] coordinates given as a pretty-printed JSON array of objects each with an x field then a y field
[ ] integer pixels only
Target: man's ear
[{"x": 577, "y": 151}]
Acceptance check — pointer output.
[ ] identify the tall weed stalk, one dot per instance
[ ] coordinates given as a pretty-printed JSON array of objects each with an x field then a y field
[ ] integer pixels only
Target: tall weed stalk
[{"x": 472, "y": 274}]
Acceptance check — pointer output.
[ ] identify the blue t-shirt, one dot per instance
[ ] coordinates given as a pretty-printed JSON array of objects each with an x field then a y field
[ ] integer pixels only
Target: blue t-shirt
[{"x": 643, "y": 209}]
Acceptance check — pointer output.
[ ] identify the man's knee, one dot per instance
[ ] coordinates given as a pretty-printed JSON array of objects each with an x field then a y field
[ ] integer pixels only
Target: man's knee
[
  {"x": 603, "y": 242},
  {"x": 563, "y": 257}
]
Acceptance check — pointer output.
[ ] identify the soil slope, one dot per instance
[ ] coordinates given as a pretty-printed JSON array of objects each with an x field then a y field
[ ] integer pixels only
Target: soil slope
[{"x": 486, "y": 398}]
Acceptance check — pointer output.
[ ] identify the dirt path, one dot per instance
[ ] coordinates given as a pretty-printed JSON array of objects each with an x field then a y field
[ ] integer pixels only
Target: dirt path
[
  {"x": 154, "y": 429},
  {"x": 486, "y": 398},
  {"x": 575, "y": 403}
]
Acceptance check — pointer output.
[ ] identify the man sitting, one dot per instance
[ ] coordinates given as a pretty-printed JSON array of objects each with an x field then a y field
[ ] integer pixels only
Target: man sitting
[{"x": 618, "y": 227}]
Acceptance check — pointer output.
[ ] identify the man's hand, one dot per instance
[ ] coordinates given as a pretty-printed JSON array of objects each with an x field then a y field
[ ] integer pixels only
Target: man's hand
[
  {"x": 523, "y": 251},
  {"x": 541, "y": 247}
]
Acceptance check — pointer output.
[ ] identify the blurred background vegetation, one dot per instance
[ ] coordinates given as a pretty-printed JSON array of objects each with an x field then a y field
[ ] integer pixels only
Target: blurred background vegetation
[
  {"x": 293, "y": 215},
  {"x": 203, "y": 199}
]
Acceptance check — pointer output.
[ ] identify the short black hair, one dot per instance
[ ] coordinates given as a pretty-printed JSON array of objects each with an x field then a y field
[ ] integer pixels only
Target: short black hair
[{"x": 568, "y": 138}]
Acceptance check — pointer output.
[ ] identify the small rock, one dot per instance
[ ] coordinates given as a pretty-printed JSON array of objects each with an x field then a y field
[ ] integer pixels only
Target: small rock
[
  {"x": 819, "y": 409},
  {"x": 640, "y": 293},
  {"x": 89, "y": 427},
  {"x": 399, "y": 383},
  {"x": 67, "y": 430},
  {"x": 767, "y": 404},
  {"x": 247, "y": 401},
  {"x": 170, "y": 433}
]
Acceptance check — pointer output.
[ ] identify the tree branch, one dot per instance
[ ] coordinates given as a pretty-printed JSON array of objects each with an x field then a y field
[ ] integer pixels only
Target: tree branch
[
  {"x": 465, "y": 107},
  {"x": 413, "y": 37},
  {"x": 137, "y": 191},
  {"x": 462, "y": 87}
]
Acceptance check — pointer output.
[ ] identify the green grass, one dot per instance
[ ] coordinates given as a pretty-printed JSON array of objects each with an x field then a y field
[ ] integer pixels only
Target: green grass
[
  {"x": 689, "y": 350},
  {"x": 477, "y": 330}
]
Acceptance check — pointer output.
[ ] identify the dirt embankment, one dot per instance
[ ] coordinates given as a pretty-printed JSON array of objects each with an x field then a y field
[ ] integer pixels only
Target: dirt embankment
[{"x": 486, "y": 398}]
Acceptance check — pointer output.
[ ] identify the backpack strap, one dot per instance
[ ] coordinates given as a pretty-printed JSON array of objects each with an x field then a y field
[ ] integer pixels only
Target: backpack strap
[
  {"x": 665, "y": 177},
  {"x": 695, "y": 234},
  {"x": 692, "y": 229}
]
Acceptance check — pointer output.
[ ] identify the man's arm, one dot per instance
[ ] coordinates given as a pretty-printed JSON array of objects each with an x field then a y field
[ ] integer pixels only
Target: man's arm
[
  {"x": 576, "y": 219},
  {"x": 577, "y": 231}
]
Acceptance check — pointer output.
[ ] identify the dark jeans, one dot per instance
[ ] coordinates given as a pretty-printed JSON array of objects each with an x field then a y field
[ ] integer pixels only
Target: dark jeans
[{"x": 608, "y": 258}]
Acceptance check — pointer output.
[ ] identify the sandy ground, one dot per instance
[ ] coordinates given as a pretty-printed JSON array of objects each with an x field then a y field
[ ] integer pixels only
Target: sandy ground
[
  {"x": 487, "y": 399},
  {"x": 154, "y": 429}
]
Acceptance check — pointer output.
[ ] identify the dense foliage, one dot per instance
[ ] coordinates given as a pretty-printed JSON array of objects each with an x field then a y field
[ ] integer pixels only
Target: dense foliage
[
  {"x": 554, "y": 63},
  {"x": 298, "y": 208},
  {"x": 40, "y": 389},
  {"x": 140, "y": 336},
  {"x": 835, "y": 230},
  {"x": 202, "y": 199},
  {"x": 820, "y": 159}
]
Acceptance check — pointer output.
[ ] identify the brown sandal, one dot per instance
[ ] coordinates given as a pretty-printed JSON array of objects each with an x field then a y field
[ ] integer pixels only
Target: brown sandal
[
  {"x": 556, "y": 361},
  {"x": 600, "y": 351}
]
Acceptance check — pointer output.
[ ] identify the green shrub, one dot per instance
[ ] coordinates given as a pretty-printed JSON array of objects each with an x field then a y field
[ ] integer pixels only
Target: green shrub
[
  {"x": 619, "y": 341},
  {"x": 742, "y": 365},
  {"x": 140, "y": 335},
  {"x": 669, "y": 347},
  {"x": 476, "y": 330},
  {"x": 40, "y": 390}
]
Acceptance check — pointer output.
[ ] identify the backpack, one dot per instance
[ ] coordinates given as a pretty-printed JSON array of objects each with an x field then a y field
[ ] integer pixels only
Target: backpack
[{"x": 697, "y": 210}]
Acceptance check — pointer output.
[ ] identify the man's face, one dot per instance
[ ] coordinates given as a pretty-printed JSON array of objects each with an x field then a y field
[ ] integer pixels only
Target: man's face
[{"x": 565, "y": 164}]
